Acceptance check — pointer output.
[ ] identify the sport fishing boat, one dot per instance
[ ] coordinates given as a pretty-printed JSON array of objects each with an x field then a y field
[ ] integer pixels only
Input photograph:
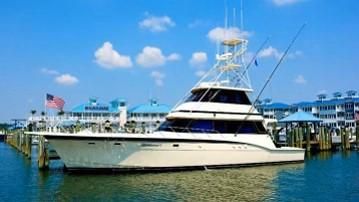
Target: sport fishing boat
[{"x": 215, "y": 125}]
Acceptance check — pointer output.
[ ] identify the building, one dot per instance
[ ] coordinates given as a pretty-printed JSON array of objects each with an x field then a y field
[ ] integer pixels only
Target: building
[
  {"x": 337, "y": 111},
  {"x": 147, "y": 117},
  {"x": 141, "y": 118},
  {"x": 96, "y": 112}
]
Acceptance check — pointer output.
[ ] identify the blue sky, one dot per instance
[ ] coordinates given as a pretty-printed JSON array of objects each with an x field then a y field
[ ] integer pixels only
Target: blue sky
[{"x": 141, "y": 49}]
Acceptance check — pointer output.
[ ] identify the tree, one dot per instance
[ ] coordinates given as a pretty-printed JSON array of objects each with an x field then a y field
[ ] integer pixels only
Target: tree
[
  {"x": 4, "y": 126},
  {"x": 33, "y": 112},
  {"x": 60, "y": 113}
]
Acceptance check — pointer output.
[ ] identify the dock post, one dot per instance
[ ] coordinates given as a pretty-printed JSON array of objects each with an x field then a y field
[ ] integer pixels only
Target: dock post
[
  {"x": 307, "y": 136},
  {"x": 28, "y": 145},
  {"x": 325, "y": 131},
  {"x": 43, "y": 159},
  {"x": 18, "y": 141},
  {"x": 23, "y": 142},
  {"x": 342, "y": 135},
  {"x": 292, "y": 135},
  {"x": 301, "y": 129},
  {"x": 329, "y": 140},
  {"x": 320, "y": 139},
  {"x": 297, "y": 138},
  {"x": 324, "y": 139},
  {"x": 357, "y": 135},
  {"x": 347, "y": 143}
]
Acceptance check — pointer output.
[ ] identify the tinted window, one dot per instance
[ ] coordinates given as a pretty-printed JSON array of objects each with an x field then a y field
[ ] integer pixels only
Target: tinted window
[
  {"x": 213, "y": 126},
  {"x": 219, "y": 95}
]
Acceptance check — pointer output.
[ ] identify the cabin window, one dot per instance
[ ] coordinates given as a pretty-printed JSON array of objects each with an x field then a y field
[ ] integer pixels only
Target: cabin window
[
  {"x": 220, "y": 96},
  {"x": 213, "y": 126}
]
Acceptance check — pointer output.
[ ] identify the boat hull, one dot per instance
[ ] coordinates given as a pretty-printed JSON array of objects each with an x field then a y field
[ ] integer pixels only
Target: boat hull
[{"x": 147, "y": 154}]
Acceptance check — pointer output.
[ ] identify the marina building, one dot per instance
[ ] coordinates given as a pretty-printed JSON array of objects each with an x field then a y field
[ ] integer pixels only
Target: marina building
[
  {"x": 148, "y": 117},
  {"x": 338, "y": 111},
  {"x": 141, "y": 118}
]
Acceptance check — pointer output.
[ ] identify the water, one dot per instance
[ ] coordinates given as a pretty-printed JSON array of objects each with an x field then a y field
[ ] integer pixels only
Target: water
[{"x": 323, "y": 177}]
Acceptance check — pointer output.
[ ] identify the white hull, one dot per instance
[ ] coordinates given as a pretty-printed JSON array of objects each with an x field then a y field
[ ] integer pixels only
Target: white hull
[{"x": 146, "y": 153}]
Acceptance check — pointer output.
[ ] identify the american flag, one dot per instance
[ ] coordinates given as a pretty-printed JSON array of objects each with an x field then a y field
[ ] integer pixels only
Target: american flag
[{"x": 54, "y": 102}]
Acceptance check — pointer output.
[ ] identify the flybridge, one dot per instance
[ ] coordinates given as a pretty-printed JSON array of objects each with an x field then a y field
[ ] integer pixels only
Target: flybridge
[{"x": 229, "y": 70}]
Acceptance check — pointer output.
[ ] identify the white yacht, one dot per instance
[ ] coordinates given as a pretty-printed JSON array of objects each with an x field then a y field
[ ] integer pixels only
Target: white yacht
[{"x": 214, "y": 126}]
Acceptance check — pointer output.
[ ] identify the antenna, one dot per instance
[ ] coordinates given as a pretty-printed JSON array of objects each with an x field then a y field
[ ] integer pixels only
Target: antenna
[
  {"x": 234, "y": 17},
  {"x": 225, "y": 22},
  {"x": 225, "y": 17},
  {"x": 242, "y": 26}
]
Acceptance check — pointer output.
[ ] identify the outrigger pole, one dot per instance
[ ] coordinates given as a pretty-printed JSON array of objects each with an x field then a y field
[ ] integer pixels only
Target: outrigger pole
[{"x": 277, "y": 65}]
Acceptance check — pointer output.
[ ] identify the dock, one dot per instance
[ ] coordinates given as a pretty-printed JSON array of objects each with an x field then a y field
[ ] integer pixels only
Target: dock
[
  {"x": 322, "y": 140},
  {"x": 22, "y": 142}
]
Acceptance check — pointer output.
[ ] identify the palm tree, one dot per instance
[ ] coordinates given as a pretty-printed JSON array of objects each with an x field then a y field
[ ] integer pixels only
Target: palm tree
[
  {"x": 60, "y": 113},
  {"x": 4, "y": 126},
  {"x": 33, "y": 112}
]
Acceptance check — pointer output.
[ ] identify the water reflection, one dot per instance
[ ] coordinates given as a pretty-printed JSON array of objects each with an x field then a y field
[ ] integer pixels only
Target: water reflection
[{"x": 244, "y": 184}]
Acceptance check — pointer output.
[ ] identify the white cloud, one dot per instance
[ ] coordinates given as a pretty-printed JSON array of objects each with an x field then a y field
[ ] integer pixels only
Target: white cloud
[
  {"x": 49, "y": 71},
  {"x": 270, "y": 52},
  {"x": 275, "y": 53},
  {"x": 66, "y": 80},
  {"x": 198, "y": 59},
  {"x": 219, "y": 34},
  {"x": 285, "y": 2},
  {"x": 295, "y": 54},
  {"x": 174, "y": 57},
  {"x": 157, "y": 24},
  {"x": 158, "y": 77},
  {"x": 200, "y": 73},
  {"x": 109, "y": 58},
  {"x": 300, "y": 80},
  {"x": 153, "y": 57}
]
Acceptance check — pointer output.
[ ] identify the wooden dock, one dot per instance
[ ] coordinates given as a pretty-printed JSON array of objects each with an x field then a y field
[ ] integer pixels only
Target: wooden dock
[
  {"x": 322, "y": 140},
  {"x": 23, "y": 143}
]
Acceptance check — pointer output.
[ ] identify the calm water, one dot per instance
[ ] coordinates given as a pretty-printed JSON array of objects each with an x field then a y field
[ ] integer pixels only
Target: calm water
[{"x": 324, "y": 177}]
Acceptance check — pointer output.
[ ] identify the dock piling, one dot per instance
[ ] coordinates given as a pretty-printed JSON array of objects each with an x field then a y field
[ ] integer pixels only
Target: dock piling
[
  {"x": 43, "y": 157},
  {"x": 307, "y": 136},
  {"x": 357, "y": 135}
]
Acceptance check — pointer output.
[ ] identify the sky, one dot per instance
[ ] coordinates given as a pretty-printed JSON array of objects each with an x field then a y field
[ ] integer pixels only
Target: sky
[{"x": 137, "y": 50}]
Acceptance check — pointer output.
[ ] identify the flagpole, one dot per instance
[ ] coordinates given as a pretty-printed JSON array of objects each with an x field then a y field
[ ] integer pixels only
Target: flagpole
[{"x": 45, "y": 111}]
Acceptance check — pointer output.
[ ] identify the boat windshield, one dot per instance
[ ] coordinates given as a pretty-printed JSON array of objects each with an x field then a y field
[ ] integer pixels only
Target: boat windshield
[
  {"x": 219, "y": 95},
  {"x": 213, "y": 126}
]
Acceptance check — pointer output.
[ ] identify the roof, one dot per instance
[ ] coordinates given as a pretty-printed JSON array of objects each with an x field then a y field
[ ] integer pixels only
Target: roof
[
  {"x": 335, "y": 101},
  {"x": 276, "y": 105},
  {"x": 95, "y": 107},
  {"x": 152, "y": 107},
  {"x": 304, "y": 104},
  {"x": 300, "y": 117}
]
